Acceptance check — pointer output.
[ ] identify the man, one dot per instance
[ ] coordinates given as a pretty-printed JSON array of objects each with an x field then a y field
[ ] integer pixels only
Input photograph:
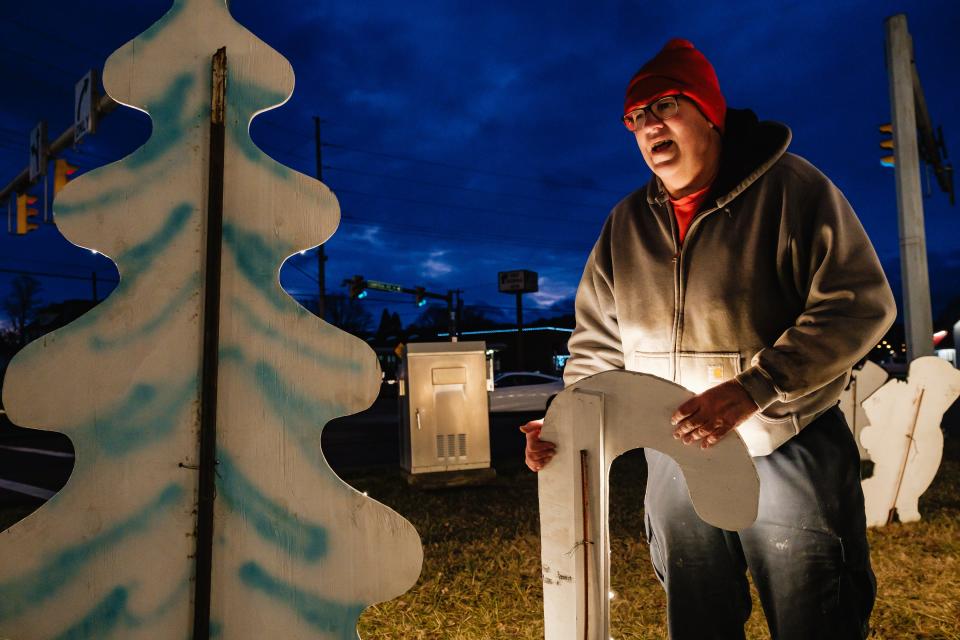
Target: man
[{"x": 741, "y": 272}]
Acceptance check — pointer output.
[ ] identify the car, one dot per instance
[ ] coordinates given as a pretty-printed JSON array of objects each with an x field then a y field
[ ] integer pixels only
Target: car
[{"x": 523, "y": 391}]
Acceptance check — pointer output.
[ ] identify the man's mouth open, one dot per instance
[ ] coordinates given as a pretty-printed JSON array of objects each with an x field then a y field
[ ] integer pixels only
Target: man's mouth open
[{"x": 662, "y": 145}]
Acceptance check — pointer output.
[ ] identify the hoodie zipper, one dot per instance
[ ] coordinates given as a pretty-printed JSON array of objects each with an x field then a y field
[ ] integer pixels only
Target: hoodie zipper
[{"x": 678, "y": 279}]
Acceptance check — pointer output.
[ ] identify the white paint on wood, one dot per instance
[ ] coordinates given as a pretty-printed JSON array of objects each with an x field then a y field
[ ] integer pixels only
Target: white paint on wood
[
  {"x": 863, "y": 383},
  {"x": 606, "y": 415},
  {"x": 297, "y": 552},
  {"x": 904, "y": 439}
]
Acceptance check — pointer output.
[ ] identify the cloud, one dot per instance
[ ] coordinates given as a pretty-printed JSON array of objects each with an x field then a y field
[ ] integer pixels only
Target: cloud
[
  {"x": 433, "y": 267},
  {"x": 550, "y": 293},
  {"x": 368, "y": 233}
]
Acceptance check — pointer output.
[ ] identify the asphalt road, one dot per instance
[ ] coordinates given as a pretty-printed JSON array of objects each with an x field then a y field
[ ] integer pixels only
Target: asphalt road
[
  {"x": 36, "y": 464},
  {"x": 33, "y": 465}
]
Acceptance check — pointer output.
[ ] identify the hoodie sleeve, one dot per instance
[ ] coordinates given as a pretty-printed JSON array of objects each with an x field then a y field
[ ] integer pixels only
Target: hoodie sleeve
[
  {"x": 848, "y": 305},
  {"x": 595, "y": 344}
]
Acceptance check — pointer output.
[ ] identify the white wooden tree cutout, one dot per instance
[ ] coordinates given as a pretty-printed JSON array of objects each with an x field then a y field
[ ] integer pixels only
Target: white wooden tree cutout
[
  {"x": 904, "y": 439},
  {"x": 592, "y": 422},
  {"x": 863, "y": 383},
  {"x": 296, "y": 552}
]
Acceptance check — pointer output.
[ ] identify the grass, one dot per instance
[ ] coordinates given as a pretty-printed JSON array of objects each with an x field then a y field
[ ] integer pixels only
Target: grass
[{"x": 481, "y": 572}]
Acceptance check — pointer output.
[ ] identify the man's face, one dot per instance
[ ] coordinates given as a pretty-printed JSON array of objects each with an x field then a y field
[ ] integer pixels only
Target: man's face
[{"x": 678, "y": 150}]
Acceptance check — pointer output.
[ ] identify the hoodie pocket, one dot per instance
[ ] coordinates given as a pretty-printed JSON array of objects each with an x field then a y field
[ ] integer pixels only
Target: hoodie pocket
[
  {"x": 700, "y": 371},
  {"x": 653, "y": 363}
]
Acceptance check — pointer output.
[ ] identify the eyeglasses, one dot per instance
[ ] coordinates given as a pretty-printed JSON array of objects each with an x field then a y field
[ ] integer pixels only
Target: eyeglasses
[{"x": 663, "y": 109}]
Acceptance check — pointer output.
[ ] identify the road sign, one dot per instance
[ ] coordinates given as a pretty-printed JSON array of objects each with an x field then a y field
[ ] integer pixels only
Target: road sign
[
  {"x": 84, "y": 110},
  {"x": 521, "y": 281},
  {"x": 384, "y": 286},
  {"x": 38, "y": 151}
]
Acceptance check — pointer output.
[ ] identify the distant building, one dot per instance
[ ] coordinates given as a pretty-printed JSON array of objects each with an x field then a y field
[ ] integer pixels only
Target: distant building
[{"x": 544, "y": 348}]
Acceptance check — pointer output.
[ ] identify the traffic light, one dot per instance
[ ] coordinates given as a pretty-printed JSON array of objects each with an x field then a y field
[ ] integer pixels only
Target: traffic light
[
  {"x": 358, "y": 287},
  {"x": 24, "y": 213},
  {"x": 421, "y": 300},
  {"x": 887, "y": 143},
  {"x": 62, "y": 170}
]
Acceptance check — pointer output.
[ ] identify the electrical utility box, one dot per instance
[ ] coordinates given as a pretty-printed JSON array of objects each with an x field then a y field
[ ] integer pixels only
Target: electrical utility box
[{"x": 445, "y": 423}]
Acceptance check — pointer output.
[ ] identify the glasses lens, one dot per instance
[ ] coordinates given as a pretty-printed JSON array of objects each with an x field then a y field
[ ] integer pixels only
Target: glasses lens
[
  {"x": 634, "y": 119},
  {"x": 666, "y": 107}
]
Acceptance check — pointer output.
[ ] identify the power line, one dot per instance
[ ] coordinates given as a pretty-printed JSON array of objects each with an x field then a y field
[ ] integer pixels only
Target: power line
[
  {"x": 460, "y": 207},
  {"x": 475, "y": 238},
  {"x": 50, "y": 36},
  {"x": 538, "y": 180},
  {"x": 57, "y": 275},
  {"x": 66, "y": 265},
  {"x": 27, "y": 56},
  {"x": 278, "y": 153},
  {"x": 307, "y": 135},
  {"x": 460, "y": 188}
]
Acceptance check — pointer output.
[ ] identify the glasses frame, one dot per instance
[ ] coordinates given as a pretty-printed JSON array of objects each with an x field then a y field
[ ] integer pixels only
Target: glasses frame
[{"x": 630, "y": 120}]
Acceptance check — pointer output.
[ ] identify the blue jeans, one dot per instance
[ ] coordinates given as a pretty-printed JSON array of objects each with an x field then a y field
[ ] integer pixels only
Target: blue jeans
[{"x": 807, "y": 551}]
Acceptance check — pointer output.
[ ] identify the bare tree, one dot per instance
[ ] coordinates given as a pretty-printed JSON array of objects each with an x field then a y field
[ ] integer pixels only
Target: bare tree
[
  {"x": 21, "y": 304},
  {"x": 348, "y": 314}
]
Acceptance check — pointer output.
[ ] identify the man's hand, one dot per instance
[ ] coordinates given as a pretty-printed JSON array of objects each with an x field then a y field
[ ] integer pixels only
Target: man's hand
[
  {"x": 712, "y": 414},
  {"x": 539, "y": 452}
]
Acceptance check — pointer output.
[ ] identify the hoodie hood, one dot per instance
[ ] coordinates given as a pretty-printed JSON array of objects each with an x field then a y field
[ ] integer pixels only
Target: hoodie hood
[{"x": 750, "y": 148}]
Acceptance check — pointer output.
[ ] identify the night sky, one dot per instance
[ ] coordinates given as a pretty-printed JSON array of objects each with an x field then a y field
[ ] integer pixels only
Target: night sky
[{"x": 463, "y": 139}]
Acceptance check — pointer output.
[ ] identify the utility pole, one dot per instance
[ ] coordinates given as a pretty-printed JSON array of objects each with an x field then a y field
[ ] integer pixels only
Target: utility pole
[
  {"x": 452, "y": 313},
  {"x": 918, "y": 317},
  {"x": 519, "y": 330},
  {"x": 518, "y": 282},
  {"x": 321, "y": 254},
  {"x": 459, "y": 310}
]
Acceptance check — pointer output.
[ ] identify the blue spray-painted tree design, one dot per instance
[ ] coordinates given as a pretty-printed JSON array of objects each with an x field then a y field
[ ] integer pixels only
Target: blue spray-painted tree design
[{"x": 297, "y": 553}]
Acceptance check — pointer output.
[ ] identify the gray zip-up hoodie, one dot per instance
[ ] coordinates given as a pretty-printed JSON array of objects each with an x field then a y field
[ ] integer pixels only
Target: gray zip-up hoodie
[{"x": 775, "y": 284}]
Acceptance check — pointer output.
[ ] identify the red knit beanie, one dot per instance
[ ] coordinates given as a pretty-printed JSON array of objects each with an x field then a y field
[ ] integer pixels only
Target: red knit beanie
[{"x": 678, "y": 68}]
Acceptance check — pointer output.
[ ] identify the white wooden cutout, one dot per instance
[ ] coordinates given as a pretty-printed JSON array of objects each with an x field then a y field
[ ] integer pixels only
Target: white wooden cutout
[
  {"x": 904, "y": 439},
  {"x": 297, "y": 552},
  {"x": 606, "y": 415},
  {"x": 863, "y": 383}
]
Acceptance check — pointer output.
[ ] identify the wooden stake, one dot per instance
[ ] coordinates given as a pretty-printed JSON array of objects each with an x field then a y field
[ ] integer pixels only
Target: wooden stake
[
  {"x": 211, "y": 344},
  {"x": 585, "y": 503},
  {"x": 906, "y": 456}
]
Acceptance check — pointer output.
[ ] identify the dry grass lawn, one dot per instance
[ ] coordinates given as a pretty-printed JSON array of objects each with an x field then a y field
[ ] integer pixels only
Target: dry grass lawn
[{"x": 481, "y": 572}]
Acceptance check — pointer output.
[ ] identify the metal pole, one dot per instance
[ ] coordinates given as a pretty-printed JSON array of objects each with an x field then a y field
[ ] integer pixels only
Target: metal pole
[
  {"x": 519, "y": 331},
  {"x": 321, "y": 254},
  {"x": 46, "y": 185},
  {"x": 103, "y": 106},
  {"x": 956, "y": 344},
  {"x": 918, "y": 317},
  {"x": 452, "y": 316},
  {"x": 459, "y": 310},
  {"x": 211, "y": 342}
]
